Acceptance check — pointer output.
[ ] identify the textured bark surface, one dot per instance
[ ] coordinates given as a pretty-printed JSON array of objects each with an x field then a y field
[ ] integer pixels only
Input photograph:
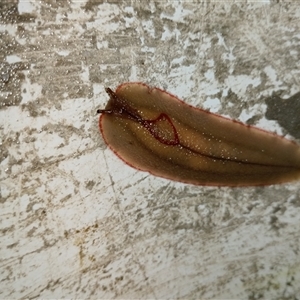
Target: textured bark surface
[{"x": 75, "y": 221}]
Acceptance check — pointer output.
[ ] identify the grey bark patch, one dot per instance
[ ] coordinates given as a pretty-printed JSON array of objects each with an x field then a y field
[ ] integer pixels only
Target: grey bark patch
[{"x": 286, "y": 112}]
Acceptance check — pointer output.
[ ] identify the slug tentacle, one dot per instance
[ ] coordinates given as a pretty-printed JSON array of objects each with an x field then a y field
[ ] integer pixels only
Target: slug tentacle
[{"x": 119, "y": 107}]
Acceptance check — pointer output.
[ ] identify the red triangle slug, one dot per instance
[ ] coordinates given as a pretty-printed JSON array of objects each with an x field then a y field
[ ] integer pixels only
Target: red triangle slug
[{"x": 152, "y": 130}]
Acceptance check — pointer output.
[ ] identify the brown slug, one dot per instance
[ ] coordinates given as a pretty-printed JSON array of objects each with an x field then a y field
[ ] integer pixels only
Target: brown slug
[{"x": 152, "y": 130}]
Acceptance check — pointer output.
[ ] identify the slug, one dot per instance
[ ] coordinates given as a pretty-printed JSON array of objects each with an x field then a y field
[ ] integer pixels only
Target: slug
[{"x": 152, "y": 130}]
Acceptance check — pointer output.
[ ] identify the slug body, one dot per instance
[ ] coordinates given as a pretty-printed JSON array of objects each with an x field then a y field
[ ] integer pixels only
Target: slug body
[{"x": 153, "y": 131}]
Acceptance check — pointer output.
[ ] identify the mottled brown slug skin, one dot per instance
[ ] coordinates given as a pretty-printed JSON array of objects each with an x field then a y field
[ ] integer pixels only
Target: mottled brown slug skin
[{"x": 152, "y": 130}]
